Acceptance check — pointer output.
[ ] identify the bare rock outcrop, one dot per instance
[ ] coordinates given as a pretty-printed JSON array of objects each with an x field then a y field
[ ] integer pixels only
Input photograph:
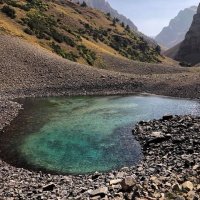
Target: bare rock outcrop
[{"x": 189, "y": 50}]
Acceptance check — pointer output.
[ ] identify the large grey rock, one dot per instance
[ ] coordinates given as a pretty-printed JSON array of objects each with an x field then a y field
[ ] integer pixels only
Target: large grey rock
[{"x": 128, "y": 183}]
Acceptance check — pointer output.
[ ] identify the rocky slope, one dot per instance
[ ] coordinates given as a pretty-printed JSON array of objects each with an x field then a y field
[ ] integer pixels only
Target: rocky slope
[
  {"x": 189, "y": 50},
  {"x": 175, "y": 32},
  {"x": 29, "y": 70},
  {"x": 105, "y": 7}
]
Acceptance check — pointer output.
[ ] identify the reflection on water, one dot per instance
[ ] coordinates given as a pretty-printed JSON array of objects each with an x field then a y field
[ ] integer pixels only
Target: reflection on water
[{"x": 80, "y": 135}]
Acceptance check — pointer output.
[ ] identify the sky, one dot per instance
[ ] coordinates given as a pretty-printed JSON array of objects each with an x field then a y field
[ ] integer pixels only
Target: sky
[{"x": 150, "y": 16}]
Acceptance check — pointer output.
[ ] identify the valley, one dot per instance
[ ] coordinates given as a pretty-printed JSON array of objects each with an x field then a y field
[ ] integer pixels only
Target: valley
[{"x": 81, "y": 64}]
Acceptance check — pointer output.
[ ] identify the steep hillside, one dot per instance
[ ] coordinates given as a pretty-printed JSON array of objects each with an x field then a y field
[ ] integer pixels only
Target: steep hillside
[
  {"x": 189, "y": 50},
  {"x": 105, "y": 7},
  {"x": 26, "y": 69},
  {"x": 75, "y": 32},
  {"x": 175, "y": 32}
]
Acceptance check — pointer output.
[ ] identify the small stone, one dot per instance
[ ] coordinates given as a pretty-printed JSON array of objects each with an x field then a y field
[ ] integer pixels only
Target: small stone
[
  {"x": 179, "y": 198},
  {"x": 198, "y": 188},
  {"x": 140, "y": 169},
  {"x": 157, "y": 195},
  {"x": 121, "y": 174},
  {"x": 128, "y": 183},
  {"x": 191, "y": 195},
  {"x": 167, "y": 117},
  {"x": 125, "y": 169},
  {"x": 195, "y": 167},
  {"x": 49, "y": 187},
  {"x": 96, "y": 198},
  {"x": 156, "y": 134},
  {"x": 168, "y": 184},
  {"x": 176, "y": 187},
  {"x": 95, "y": 175},
  {"x": 101, "y": 192},
  {"x": 188, "y": 186},
  {"x": 115, "y": 182}
]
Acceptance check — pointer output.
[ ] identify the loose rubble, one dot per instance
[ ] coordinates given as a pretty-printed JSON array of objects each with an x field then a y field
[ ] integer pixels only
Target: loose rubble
[{"x": 170, "y": 170}]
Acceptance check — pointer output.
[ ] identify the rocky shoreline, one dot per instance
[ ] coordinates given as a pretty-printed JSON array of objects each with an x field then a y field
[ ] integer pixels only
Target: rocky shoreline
[{"x": 170, "y": 168}]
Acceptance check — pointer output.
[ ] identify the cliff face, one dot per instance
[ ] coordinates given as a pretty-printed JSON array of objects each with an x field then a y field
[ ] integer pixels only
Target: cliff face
[
  {"x": 105, "y": 7},
  {"x": 178, "y": 27},
  {"x": 189, "y": 50}
]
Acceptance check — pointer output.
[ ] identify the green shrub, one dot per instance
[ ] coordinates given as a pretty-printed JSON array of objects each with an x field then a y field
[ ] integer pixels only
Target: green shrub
[
  {"x": 69, "y": 41},
  {"x": 39, "y": 23},
  {"x": 58, "y": 37},
  {"x": 83, "y": 4},
  {"x": 87, "y": 54},
  {"x": 128, "y": 28},
  {"x": 10, "y": 12},
  {"x": 158, "y": 49},
  {"x": 28, "y": 31},
  {"x": 13, "y": 3},
  {"x": 37, "y": 4},
  {"x": 57, "y": 49}
]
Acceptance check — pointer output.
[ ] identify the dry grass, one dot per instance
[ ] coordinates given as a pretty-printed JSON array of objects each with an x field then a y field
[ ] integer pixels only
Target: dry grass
[{"x": 100, "y": 47}]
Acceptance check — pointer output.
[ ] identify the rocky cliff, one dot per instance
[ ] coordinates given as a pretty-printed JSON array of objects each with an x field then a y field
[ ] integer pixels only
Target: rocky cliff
[
  {"x": 189, "y": 50},
  {"x": 175, "y": 32},
  {"x": 105, "y": 7}
]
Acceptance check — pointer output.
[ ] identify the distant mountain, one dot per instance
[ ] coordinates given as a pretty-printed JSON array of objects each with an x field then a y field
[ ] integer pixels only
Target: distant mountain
[
  {"x": 105, "y": 7},
  {"x": 175, "y": 32},
  {"x": 189, "y": 50}
]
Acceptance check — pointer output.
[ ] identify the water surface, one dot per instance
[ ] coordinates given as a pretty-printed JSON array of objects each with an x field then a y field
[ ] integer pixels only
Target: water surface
[{"x": 77, "y": 135}]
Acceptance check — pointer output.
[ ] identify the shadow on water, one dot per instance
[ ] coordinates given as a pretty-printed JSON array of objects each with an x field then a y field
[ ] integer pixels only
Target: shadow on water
[{"x": 80, "y": 135}]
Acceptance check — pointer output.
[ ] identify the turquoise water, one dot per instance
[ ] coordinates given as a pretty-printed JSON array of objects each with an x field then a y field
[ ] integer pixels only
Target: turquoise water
[{"x": 78, "y": 135}]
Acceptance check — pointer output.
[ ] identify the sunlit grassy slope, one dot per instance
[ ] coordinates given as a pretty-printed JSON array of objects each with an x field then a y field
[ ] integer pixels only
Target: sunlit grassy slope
[{"x": 73, "y": 31}]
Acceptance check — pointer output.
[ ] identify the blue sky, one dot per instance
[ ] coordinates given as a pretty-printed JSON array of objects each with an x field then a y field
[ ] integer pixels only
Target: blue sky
[{"x": 150, "y": 16}]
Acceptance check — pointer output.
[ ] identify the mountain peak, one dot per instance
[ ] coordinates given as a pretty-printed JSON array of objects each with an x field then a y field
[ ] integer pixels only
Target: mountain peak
[
  {"x": 175, "y": 32},
  {"x": 198, "y": 10}
]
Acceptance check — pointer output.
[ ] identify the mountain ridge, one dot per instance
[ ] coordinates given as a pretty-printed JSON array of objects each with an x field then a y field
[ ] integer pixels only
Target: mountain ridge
[
  {"x": 105, "y": 7},
  {"x": 175, "y": 32}
]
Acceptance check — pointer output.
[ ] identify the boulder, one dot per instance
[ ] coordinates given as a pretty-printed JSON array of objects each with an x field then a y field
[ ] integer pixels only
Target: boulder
[
  {"x": 188, "y": 186},
  {"x": 128, "y": 183}
]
